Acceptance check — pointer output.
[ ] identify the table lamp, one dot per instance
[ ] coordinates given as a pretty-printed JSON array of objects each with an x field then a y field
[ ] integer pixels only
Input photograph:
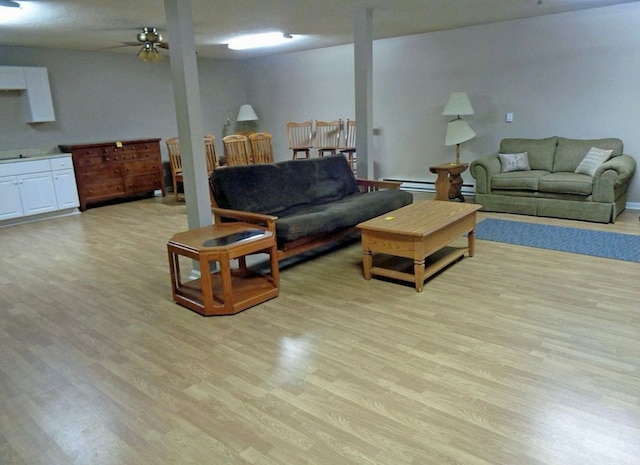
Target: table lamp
[
  {"x": 246, "y": 116},
  {"x": 458, "y": 131}
]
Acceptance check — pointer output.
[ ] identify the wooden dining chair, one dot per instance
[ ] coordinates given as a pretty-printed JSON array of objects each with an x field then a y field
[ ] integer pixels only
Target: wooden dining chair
[
  {"x": 349, "y": 147},
  {"x": 236, "y": 151},
  {"x": 300, "y": 135},
  {"x": 261, "y": 147},
  {"x": 210, "y": 152},
  {"x": 175, "y": 162},
  {"x": 328, "y": 136}
]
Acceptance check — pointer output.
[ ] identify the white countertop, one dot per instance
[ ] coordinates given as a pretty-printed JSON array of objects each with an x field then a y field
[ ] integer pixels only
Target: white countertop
[{"x": 20, "y": 155}]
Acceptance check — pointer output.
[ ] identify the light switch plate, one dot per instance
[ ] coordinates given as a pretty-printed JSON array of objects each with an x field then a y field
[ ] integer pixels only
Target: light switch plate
[{"x": 508, "y": 118}]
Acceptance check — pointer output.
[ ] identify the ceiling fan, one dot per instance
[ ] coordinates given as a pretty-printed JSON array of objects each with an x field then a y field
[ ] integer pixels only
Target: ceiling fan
[{"x": 151, "y": 41}]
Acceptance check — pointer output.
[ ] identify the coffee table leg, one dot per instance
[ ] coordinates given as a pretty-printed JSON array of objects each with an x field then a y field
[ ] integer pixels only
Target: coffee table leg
[
  {"x": 366, "y": 264},
  {"x": 472, "y": 242},
  {"x": 418, "y": 271}
]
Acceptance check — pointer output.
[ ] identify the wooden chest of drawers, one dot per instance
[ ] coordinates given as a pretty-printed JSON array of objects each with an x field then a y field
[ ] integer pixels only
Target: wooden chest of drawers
[{"x": 114, "y": 170}]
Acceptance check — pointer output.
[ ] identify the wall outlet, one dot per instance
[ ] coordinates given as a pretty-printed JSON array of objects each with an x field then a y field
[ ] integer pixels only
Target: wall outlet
[{"x": 508, "y": 118}]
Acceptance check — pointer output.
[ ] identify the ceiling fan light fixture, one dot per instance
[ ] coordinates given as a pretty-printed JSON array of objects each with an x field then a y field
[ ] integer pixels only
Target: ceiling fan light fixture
[
  {"x": 268, "y": 39},
  {"x": 150, "y": 53},
  {"x": 149, "y": 34}
]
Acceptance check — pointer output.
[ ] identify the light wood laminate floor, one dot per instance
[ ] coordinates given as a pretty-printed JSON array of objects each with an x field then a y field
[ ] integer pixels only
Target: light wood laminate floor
[{"x": 517, "y": 356}]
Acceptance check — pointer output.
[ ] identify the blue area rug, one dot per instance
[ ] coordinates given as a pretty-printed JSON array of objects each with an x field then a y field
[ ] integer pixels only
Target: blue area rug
[{"x": 581, "y": 241}]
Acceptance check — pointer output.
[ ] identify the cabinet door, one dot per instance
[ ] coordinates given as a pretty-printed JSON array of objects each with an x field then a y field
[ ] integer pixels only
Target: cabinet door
[
  {"x": 10, "y": 203},
  {"x": 64, "y": 182},
  {"x": 37, "y": 193}
]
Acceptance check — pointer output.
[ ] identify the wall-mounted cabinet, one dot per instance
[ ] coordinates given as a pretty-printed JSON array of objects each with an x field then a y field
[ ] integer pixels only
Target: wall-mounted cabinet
[{"x": 34, "y": 82}]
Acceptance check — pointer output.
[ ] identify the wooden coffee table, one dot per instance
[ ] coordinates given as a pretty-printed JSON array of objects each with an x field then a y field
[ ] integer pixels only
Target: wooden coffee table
[{"x": 418, "y": 231}]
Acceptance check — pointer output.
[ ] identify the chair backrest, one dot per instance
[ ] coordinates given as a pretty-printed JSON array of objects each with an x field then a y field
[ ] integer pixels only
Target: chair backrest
[
  {"x": 175, "y": 162},
  {"x": 210, "y": 152},
  {"x": 261, "y": 147},
  {"x": 350, "y": 134},
  {"x": 173, "y": 146},
  {"x": 328, "y": 134},
  {"x": 299, "y": 134},
  {"x": 235, "y": 150}
]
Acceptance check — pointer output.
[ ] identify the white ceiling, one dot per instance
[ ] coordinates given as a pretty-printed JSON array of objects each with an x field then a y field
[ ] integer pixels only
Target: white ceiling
[{"x": 101, "y": 24}]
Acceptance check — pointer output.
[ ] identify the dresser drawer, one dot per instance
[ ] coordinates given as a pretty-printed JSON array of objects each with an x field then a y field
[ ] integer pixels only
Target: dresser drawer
[{"x": 142, "y": 184}]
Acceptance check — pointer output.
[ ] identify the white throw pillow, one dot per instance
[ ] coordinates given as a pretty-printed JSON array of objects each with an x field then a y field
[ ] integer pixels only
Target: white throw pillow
[
  {"x": 594, "y": 158},
  {"x": 514, "y": 161}
]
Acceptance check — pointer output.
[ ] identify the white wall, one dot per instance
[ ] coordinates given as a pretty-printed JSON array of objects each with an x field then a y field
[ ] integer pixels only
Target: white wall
[{"x": 573, "y": 75}]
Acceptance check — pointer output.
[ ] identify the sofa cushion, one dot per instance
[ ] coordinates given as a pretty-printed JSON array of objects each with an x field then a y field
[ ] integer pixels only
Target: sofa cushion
[
  {"x": 594, "y": 158},
  {"x": 253, "y": 188},
  {"x": 273, "y": 188},
  {"x": 570, "y": 152},
  {"x": 539, "y": 151},
  {"x": 318, "y": 180},
  {"x": 566, "y": 183},
  {"x": 514, "y": 162},
  {"x": 518, "y": 180},
  {"x": 344, "y": 213}
]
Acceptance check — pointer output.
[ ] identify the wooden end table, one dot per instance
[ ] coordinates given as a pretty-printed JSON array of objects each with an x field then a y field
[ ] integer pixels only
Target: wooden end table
[
  {"x": 449, "y": 181},
  {"x": 419, "y": 231},
  {"x": 230, "y": 290}
]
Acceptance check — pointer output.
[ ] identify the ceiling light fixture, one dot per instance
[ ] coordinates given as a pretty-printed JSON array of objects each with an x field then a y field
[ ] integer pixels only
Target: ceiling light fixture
[
  {"x": 150, "y": 53},
  {"x": 9, "y": 4},
  {"x": 268, "y": 39}
]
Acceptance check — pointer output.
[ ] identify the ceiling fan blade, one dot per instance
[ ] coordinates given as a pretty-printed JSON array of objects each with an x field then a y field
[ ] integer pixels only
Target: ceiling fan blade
[{"x": 162, "y": 45}]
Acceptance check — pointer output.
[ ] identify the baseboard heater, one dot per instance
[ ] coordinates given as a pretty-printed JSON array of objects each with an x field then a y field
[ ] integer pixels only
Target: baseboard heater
[{"x": 427, "y": 186}]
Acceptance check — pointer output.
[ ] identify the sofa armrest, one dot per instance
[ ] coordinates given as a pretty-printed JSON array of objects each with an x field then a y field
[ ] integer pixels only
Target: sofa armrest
[
  {"x": 612, "y": 178},
  {"x": 369, "y": 185},
  {"x": 267, "y": 222},
  {"x": 482, "y": 170}
]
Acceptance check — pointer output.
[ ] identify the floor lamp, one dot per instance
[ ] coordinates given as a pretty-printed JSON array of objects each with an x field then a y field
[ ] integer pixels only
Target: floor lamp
[{"x": 458, "y": 131}]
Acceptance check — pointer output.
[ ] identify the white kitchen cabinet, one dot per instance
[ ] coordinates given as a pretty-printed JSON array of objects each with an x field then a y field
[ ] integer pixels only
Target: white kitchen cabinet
[
  {"x": 64, "y": 182},
  {"x": 37, "y": 193},
  {"x": 39, "y": 95},
  {"x": 34, "y": 81},
  {"x": 10, "y": 203},
  {"x": 36, "y": 187}
]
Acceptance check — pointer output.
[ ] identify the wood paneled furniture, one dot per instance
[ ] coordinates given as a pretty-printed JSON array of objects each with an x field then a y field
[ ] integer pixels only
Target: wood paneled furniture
[
  {"x": 175, "y": 163},
  {"x": 449, "y": 181},
  {"x": 416, "y": 232},
  {"x": 328, "y": 136},
  {"x": 349, "y": 147},
  {"x": 116, "y": 170},
  {"x": 300, "y": 135},
  {"x": 236, "y": 150},
  {"x": 210, "y": 153},
  {"x": 261, "y": 147},
  {"x": 230, "y": 290}
]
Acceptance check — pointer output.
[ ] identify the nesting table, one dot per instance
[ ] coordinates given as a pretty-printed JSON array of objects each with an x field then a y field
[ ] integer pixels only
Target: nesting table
[{"x": 229, "y": 290}]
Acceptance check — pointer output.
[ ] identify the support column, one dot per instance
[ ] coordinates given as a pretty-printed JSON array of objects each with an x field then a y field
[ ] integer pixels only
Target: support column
[
  {"x": 363, "y": 63},
  {"x": 186, "y": 91}
]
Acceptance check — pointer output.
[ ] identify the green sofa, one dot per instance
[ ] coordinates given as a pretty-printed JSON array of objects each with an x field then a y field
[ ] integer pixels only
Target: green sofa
[{"x": 551, "y": 187}]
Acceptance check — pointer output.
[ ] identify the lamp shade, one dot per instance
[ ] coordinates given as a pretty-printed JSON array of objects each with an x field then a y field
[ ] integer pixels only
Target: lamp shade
[
  {"x": 458, "y": 104},
  {"x": 246, "y": 113},
  {"x": 458, "y": 131}
]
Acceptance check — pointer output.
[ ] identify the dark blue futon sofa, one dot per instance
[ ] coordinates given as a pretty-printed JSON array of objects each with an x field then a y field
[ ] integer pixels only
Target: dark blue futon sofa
[{"x": 308, "y": 203}]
